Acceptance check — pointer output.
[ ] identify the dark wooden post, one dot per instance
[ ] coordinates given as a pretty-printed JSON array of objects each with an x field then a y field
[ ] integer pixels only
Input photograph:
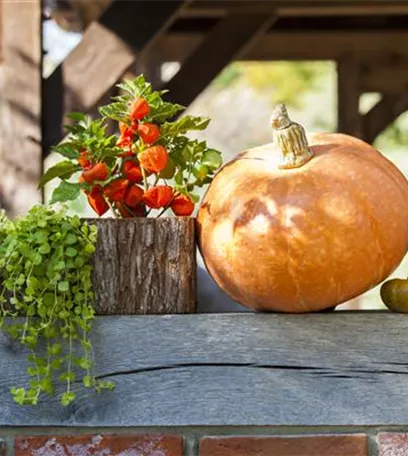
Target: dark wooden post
[
  {"x": 20, "y": 105},
  {"x": 349, "y": 120},
  {"x": 145, "y": 266}
]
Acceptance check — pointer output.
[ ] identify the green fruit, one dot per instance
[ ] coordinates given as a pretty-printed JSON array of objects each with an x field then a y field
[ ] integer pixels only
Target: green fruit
[{"x": 394, "y": 294}]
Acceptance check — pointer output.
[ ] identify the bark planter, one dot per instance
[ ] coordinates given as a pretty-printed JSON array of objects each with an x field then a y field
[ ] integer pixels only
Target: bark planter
[{"x": 145, "y": 266}]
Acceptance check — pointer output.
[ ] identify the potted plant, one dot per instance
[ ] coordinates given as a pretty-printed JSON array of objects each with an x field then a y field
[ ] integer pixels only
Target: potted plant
[
  {"x": 144, "y": 262},
  {"x": 57, "y": 271}
]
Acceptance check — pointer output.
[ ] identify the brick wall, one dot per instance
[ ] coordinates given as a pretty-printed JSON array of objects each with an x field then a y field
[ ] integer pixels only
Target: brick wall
[{"x": 204, "y": 442}]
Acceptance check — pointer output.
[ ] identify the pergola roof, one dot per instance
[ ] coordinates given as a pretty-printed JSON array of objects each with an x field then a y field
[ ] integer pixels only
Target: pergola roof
[{"x": 368, "y": 40}]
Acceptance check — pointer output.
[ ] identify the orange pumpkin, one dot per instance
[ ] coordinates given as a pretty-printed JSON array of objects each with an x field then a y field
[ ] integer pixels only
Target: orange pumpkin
[{"x": 294, "y": 226}]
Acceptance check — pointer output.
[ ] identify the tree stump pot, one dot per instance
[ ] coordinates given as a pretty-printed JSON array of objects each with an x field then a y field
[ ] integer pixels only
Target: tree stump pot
[{"x": 145, "y": 266}]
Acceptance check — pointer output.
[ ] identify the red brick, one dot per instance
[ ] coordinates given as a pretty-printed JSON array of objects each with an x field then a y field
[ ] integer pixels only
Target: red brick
[
  {"x": 312, "y": 445},
  {"x": 99, "y": 445},
  {"x": 392, "y": 444}
]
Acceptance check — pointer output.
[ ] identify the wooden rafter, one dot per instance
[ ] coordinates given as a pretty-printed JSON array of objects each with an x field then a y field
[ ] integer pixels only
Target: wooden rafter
[
  {"x": 107, "y": 49},
  {"x": 228, "y": 40},
  {"x": 383, "y": 114},
  {"x": 20, "y": 105},
  {"x": 297, "y": 44},
  {"x": 390, "y": 76}
]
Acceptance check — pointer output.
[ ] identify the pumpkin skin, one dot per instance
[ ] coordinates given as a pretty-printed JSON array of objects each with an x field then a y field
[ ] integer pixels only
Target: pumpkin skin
[{"x": 308, "y": 238}]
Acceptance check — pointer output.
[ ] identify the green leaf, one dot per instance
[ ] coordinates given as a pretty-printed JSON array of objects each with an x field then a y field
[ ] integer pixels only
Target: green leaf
[
  {"x": 71, "y": 252},
  {"x": 63, "y": 286},
  {"x": 67, "y": 398},
  {"x": 71, "y": 239},
  {"x": 66, "y": 191},
  {"x": 78, "y": 116},
  {"x": 194, "y": 197},
  {"x": 201, "y": 172},
  {"x": 183, "y": 125},
  {"x": 44, "y": 248},
  {"x": 169, "y": 171},
  {"x": 66, "y": 149},
  {"x": 212, "y": 158},
  {"x": 87, "y": 381},
  {"x": 178, "y": 178},
  {"x": 67, "y": 376},
  {"x": 54, "y": 349},
  {"x": 63, "y": 170},
  {"x": 165, "y": 111},
  {"x": 32, "y": 371},
  {"x": 84, "y": 363}
]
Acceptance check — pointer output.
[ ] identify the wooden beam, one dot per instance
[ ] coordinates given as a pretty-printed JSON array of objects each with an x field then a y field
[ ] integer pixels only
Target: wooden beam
[
  {"x": 20, "y": 105},
  {"x": 299, "y": 45},
  {"x": 338, "y": 369},
  {"x": 230, "y": 39},
  {"x": 108, "y": 48},
  {"x": 204, "y": 8},
  {"x": 362, "y": 9},
  {"x": 256, "y": 6},
  {"x": 383, "y": 114},
  {"x": 348, "y": 97},
  {"x": 386, "y": 77}
]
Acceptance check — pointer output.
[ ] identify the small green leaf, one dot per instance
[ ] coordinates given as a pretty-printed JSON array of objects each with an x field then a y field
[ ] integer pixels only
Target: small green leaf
[
  {"x": 67, "y": 376},
  {"x": 67, "y": 398},
  {"x": 71, "y": 239},
  {"x": 63, "y": 170},
  {"x": 194, "y": 197},
  {"x": 63, "y": 286},
  {"x": 84, "y": 363},
  {"x": 87, "y": 381},
  {"x": 32, "y": 371},
  {"x": 54, "y": 349},
  {"x": 78, "y": 116},
  {"x": 66, "y": 149},
  {"x": 178, "y": 178},
  {"x": 183, "y": 125},
  {"x": 71, "y": 252},
  {"x": 44, "y": 248},
  {"x": 169, "y": 171},
  {"x": 212, "y": 158},
  {"x": 201, "y": 172},
  {"x": 66, "y": 191}
]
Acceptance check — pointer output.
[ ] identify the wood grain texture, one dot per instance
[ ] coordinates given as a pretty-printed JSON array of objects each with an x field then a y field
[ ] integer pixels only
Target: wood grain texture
[
  {"x": 230, "y": 39},
  {"x": 243, "y": 369},
  {"x": 20, "y": 105},
  {"x": 145, "y": 266},
  {"x": 298, "y": 44},
  {"x": 124, "y": 30}
]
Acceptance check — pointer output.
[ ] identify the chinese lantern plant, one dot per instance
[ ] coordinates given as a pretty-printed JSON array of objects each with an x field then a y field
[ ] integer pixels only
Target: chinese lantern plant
[{"x": 151, "y": 165}]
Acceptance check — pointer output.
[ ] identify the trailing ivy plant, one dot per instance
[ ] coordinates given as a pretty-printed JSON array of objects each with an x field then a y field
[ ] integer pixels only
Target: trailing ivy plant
[{"x": 46, "y": 300}]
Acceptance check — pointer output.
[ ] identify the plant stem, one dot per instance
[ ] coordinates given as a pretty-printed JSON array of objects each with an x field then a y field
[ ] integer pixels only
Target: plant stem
[{"x": 290, "y": 140}]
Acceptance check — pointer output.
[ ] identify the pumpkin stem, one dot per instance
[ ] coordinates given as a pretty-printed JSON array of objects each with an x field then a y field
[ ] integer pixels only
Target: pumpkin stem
[{"x": 290, "y": 139}]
